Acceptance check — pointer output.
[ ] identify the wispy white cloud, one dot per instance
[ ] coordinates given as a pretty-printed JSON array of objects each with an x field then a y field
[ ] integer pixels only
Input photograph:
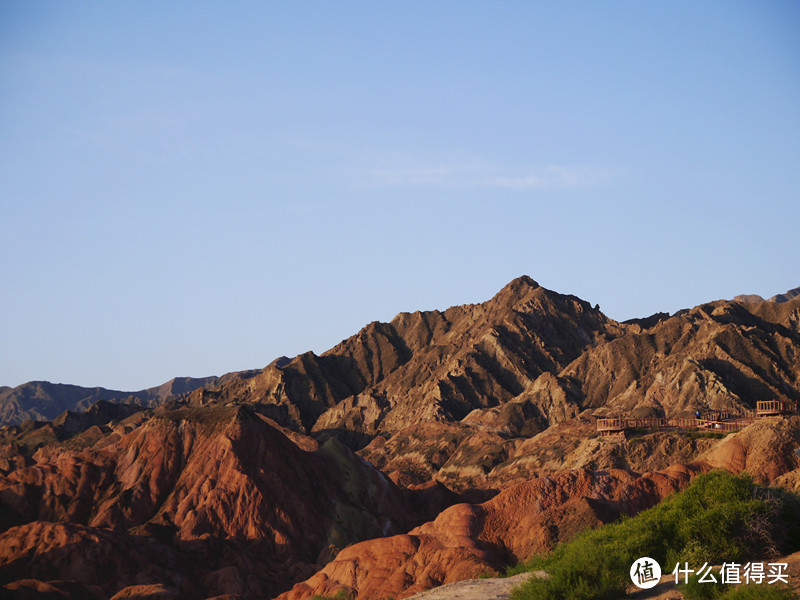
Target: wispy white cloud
[
  {"x": 461, "y": 175},
  {"x": 553, "y": 177},
  {"x": 435, "y": 176}
]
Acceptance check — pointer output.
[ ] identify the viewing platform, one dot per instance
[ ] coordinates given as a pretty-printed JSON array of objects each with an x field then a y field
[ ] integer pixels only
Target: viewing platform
[
  {"x": 611, "y": 426},
  {"x": 775, "y": 408}
]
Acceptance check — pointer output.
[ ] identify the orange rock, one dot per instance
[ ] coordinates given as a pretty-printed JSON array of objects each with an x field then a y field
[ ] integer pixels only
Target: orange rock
[
  {"x": 146, "y": 592},
  {"x": 467, "y": 539},
  {"x": 767, "y": 449},
  {"x": 254, "y": 510}
]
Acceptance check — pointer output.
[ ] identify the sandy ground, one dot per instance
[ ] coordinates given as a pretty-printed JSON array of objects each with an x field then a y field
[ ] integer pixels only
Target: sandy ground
[{"x": 469, "y": 589}]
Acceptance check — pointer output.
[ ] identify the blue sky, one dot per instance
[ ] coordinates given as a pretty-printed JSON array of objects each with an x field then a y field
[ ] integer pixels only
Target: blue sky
[{"x": 195, "y": 188}]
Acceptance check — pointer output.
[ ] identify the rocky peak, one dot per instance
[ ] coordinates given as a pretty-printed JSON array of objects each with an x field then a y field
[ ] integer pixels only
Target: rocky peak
[
  {"x": 518, "y": 288},
  {"x": 753, "y": 298},
  {"x": 222, "y": 492}
]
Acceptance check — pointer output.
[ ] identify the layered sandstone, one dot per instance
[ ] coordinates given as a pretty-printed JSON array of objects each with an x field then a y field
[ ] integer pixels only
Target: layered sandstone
[
  {"x": 249, "y": 485},
  {"x": 468, "y": 540},
  {"x": 218, "y": 481}
]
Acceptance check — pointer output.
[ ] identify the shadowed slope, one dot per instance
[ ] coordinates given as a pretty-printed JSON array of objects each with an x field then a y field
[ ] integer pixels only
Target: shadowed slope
[
  {"x": 425, "y": 365},
  {"x": 474, "y": 356},
  {"x": 721, "y": 356},
  {"x": 467, "y": 540},
  {"x": 219, "y": 480},
  {"x": 222, "y": 492}
]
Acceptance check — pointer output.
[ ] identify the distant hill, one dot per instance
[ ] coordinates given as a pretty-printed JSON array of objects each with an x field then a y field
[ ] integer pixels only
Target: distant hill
[
  {"x": 790, "y": 295},
  {"x": 786, "y": 297},
  {"x": 43, "y": 401}
]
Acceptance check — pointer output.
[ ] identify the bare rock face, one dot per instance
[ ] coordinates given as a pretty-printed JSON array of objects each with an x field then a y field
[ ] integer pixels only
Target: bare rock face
[
  {"x": 12, "y": 458},
  {"x": 34, "y": 589},
  {"x": 478, "y": 461},
  {"x": 418, "y": 451},
  {"x": 248, "y": 485},
  {"x": 748, "y": 298},
  {"x": 467, "y": 540},
  {"x": 768, "y": 449},
  {"x": 527, "y": 359},
  {"x": 147, "y": 592},
  {"x": 787, "y": 296},
  {"x": 65, "y": 551},
  {"x": 473, "y": 357},
  {"x": 720, "y": 356},
  {"x": 427, "y": 366},
  {"x": 221, "y": 485}
]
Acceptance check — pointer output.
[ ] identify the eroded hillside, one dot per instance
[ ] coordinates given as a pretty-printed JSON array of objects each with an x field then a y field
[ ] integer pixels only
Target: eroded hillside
[{"x": 414, "y": 453}]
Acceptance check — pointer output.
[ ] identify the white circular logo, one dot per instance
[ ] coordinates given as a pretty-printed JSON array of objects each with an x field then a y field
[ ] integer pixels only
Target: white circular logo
[{"x": 645, "y": 572}]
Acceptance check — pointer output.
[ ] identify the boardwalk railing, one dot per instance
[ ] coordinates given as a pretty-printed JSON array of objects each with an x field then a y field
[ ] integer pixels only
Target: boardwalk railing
[
  {"x": 684, "y": 423},
  {"x": 768, "y": 408},
  {"x": 714, "y": 420},
  {"x": 730, "y": 425},
  {"x": 718, "y": 421},
  {"x": 611, "y": 424},
  {"x": 619, "y": 424}
]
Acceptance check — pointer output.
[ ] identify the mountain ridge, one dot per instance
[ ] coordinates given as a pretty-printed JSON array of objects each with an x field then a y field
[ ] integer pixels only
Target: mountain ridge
[
  {"x": 305, "y": 391},
  {"x": 43, "y": 400},
  {"x": 785, "y": 297},
  {"x": 407, "y": 455}
]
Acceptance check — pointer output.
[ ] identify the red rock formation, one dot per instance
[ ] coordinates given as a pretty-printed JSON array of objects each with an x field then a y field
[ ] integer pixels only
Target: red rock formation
[
  {"x": 767, "y": 449},
  {"x": 224, "y": 494},
  {"x": 92, "y": 558},
  {"x": 467, "y": 539},
  {"x": 211, "y": 480}
]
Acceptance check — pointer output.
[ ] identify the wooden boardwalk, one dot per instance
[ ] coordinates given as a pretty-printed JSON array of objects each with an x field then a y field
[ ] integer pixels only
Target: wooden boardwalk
[{"x": 722, "y": 421}]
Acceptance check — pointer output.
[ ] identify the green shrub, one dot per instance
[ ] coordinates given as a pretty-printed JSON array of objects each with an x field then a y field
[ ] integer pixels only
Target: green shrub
[
  {"x": 695, "y": 590},
  {"x": 340, "y": 595},
  {"x": 720, "y": 517},
  {"x": 760, "y": 592},
  {"x": 696, "y": 435}
]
